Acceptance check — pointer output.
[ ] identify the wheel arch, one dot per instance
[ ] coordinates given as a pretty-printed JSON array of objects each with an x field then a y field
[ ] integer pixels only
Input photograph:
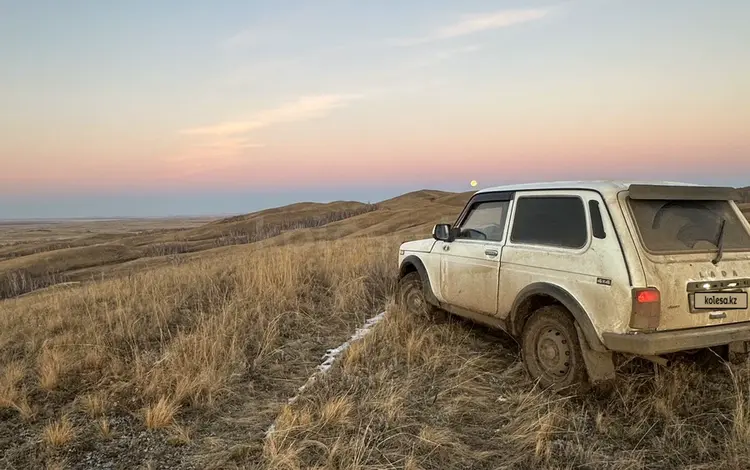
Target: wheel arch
[
  {"x": 541, "y": 294},
  {"x": 413, "y": 263}
]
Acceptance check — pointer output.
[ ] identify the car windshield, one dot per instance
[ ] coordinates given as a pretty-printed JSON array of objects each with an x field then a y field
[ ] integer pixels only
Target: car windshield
[{"x": 688, "y": 226}]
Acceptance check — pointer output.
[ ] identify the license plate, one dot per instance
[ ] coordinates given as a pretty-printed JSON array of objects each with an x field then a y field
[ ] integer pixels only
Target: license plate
[{"x": 721, "y": 300}]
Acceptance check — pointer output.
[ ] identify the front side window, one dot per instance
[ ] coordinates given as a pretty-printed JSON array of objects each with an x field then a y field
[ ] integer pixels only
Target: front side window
[
  {"x": 485, "y": 221},
  {"x": 688, "y": 225},
  {"x": 558, "y": 221}
]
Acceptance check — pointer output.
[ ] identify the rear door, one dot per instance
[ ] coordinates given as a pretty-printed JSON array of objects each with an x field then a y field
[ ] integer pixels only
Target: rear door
[
  {"x": 470, "y": 265},
  {"x": 680, "y": 239}
]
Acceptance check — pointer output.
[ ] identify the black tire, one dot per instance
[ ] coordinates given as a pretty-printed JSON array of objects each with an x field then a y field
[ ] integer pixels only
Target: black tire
[
  {"x": 551, "y": 352},
  {"x": 411, "y": 296}
]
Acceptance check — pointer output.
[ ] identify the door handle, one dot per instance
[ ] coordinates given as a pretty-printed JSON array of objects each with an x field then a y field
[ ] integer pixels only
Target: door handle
[
  {"x": 446, "y": 247},
  {"x": 490, "y": 252}
]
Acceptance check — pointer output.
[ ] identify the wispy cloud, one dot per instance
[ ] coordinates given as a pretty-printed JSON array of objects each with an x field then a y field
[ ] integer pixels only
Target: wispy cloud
[
  {"x": 245, "y": 38},
  {"x": 476, "y": 23},
  {"x": 444, "y": 55},
  {"x": 229, "y": 141},
  {"x": 229, "y": 144},
  {"x": 303, "y": 109}
]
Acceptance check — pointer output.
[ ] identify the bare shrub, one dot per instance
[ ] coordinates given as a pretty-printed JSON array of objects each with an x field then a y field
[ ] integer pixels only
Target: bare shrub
[
  {"x": 18, "y": 282},
  {"x": 263, "y": 231},
  {"x": 166, "y": 249}
]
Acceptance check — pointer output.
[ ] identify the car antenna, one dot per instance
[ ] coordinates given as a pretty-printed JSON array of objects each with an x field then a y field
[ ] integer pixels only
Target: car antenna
[{"x": 720, "y": 252}]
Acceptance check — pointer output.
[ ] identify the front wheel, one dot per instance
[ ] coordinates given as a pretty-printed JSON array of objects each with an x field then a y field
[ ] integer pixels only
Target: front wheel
[
  {"x": 411, "y": 296},
  {"x": 551, "y": 352}
]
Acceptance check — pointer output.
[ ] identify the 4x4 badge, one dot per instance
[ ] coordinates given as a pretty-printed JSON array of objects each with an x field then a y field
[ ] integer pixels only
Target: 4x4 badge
[{"x": 603, "y": 281}]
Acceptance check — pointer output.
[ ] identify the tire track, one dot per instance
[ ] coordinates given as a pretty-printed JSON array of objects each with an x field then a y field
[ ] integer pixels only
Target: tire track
[{"x": 329, "y": 358}]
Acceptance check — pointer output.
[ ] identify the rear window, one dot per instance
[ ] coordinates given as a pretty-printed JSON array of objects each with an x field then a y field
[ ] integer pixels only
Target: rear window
[{"x": 688, "y": 226}]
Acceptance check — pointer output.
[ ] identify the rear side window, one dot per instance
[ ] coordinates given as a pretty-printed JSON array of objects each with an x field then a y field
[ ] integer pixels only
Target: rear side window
[
  {"x": 550, "y": 220},
  {"x": 597, "y": 223},
  {"x": 688, "y": 226}
]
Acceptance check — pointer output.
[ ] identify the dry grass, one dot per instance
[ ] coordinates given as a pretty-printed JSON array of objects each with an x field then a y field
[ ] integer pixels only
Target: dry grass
[
  {"x": 214, "y": 345},
  {"x": 58, "y": 433},
  {"x": 94, "y": 404},
  {"x": 161, "y": 414},
  {"x": 50, "y": 363},
  {"x": 56, "y": 465},
  {"x": 187, "y": 364},
  {"x": 180, "y": 435},
  {"x": 73, "y": 252},
  {"x": 22, "y": 235},
  {"x": 104, "y": 428},
  {"x": 450, "y": 395},
  {"x": 12, "y": 375}
]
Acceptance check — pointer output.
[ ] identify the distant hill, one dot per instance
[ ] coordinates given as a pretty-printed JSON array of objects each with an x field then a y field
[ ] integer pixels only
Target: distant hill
[
  {"x": 30, "y": 266},
  {"x": 415, "y": 197}
]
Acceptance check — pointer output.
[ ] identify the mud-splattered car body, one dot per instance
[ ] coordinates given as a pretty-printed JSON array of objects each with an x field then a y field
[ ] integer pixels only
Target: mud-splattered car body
[{"x": 640, "y": 268}]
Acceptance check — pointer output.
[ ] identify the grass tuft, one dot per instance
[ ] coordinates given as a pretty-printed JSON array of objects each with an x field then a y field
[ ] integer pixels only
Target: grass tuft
[
  {"x": 161, "y": 414},
  {"x": 59, "y": 432},
  {"x": 50, "y": 365},
  {"x": 93, "y": 404},
  {"x": 180, "y": 435},
  {"x": 104, "y": 428}
]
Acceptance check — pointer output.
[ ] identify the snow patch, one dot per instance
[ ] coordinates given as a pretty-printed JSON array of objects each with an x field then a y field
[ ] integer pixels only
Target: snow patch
[{"x": 330, "y": 357}]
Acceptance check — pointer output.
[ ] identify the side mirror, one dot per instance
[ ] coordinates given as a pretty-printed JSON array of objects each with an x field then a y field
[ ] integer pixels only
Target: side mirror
[{"x": 442, "y": 232}]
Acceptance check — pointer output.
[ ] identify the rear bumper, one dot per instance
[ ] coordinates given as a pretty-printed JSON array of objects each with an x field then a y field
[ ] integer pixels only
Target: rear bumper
[{"x": 663, "y": 342}]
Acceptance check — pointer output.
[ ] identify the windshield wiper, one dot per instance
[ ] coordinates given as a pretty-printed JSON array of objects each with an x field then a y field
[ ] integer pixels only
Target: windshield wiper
[{"x": 720, "y": 243}]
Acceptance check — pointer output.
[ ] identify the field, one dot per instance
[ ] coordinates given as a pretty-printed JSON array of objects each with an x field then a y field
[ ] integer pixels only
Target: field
[{"x": 178, "y": 346}]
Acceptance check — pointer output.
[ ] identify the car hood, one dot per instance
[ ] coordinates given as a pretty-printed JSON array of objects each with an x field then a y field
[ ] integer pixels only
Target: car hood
[{"x": 423, "y": 246}]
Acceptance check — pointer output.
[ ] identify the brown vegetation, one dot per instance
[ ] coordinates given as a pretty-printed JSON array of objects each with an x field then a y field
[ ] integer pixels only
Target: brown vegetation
[
  {"x": 34, "y": 265},
  {"x": 421, "y": 395},
  {"x": 58, "y": 433},
  {"x": 184, "y": 360},
  {"x": 215, "y": 344}
]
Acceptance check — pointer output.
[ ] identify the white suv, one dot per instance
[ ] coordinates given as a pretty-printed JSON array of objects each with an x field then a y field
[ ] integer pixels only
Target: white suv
[{"x": 578, "y": 271}]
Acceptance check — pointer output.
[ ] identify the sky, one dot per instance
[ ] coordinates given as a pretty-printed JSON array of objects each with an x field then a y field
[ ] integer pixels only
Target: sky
[{"x": 149, "y": 108}]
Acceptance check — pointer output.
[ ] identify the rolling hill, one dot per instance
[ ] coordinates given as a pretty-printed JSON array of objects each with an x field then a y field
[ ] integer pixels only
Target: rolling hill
[
  {"x": 25, "y": 267},
  {"x": 194, "y": 348}
]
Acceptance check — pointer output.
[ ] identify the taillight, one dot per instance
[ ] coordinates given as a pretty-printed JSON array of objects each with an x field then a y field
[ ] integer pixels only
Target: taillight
[
  {"x": 646, "y": 309},
  {"x": 647, "y": 296}
]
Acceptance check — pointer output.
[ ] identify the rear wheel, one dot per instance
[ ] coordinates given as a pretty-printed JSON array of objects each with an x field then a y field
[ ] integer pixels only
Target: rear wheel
[{"x": 551, "y": 352}]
